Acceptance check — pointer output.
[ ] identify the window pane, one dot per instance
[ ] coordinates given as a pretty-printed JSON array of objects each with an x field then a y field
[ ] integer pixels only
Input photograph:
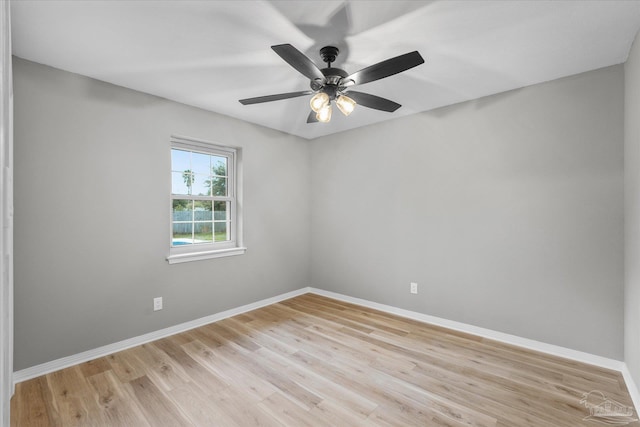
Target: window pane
[
  {"x": 182, "y": 233},
  {"x": 181, "y": 182},
  {"x": 221, "y": 211},
  {"x": 202, "y": 210},
  {"x": 203, "y": 232},
  {"x": 182, "y": 222},
  {"x": 222, "y": 231},
  {"x": 201, "y": 163},
  {"x": 219, "y": 186},
  {"x": 219, "y": 166},
  {"x": 182, "y": 209},
  {"x": 180, "y": 160},
  {"x": 201, "y": 185}
]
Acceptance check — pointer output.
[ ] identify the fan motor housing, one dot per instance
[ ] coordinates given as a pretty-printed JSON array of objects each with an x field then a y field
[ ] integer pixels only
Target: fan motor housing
[
  {"x": 334, "y": 72},
  {"x": 331, "y": 86}
]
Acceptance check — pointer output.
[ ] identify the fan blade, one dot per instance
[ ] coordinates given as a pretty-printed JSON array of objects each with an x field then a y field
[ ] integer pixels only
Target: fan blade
[
  {"x": 312, "y": 117},
  {"x": 277, "y": 97},
  {"x": 373, "y": 101},
  {"x": 299, "y": 61},
  {"x": 386, "y": 68}
]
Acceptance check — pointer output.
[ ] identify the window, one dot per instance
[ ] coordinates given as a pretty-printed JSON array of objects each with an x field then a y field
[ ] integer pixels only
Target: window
[{"x": 205, "y": 203}]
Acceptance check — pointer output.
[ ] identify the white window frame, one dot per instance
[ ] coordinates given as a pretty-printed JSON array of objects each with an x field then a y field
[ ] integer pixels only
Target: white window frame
[{"x": 202, "y": 251}]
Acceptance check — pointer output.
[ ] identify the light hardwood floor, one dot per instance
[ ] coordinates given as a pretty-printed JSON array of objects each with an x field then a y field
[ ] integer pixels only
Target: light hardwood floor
[{"x": 314, "y": 361}]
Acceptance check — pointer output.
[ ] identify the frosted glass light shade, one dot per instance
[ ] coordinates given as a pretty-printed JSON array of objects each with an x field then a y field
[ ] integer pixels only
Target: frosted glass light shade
[
  {"x": 324, "y": 115},
  {"x": 319, "y": 101},
  {"x": 345, "y": 104}
]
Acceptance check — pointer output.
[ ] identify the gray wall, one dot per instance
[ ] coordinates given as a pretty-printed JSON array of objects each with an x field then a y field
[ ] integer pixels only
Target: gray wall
[
  {"x": 507, "y": 211},
  {"x": 632, "y": 212},
  {"x": 92, "y": 215}
]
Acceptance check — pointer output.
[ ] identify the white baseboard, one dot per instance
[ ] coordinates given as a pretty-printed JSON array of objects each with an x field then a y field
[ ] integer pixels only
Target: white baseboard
[
  {"x": 65, "y": 362},
  {"x": 85, "y": 356},
  {"x": 631, "y": 386}
]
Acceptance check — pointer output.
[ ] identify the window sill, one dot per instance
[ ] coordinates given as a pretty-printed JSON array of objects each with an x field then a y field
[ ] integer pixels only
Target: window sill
[{"x": 199, "y": 256}]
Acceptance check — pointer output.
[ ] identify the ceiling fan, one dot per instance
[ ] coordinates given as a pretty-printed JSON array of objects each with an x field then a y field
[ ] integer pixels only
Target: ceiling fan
[{"x": 334, "y": 84}]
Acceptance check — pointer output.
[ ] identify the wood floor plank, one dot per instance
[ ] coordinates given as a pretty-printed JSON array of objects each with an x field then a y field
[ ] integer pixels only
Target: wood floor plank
[
  {"x": 315, "y": 361},
  {"x": 337, "y": 413},
  {"x": 317, "y": 384},
  {"x": 280, "y": 380},
  {"x": 31, "y": 409},
  {"x": 95, "y": 366},
  {"x": 234, "y": 407},
  {"x": 289, "y": 413},
  {"x": 159, "y": 410},
  {"x": 196, "y": 372},
  {"x": 254, "y": 387},
  {"x": 73, "y": 400},
  {"x": 197, "y": 406},
  {"x": 125, "y": 365},
  {"x": 118, "y": 407},
  {"x": 161, "y": 369}
]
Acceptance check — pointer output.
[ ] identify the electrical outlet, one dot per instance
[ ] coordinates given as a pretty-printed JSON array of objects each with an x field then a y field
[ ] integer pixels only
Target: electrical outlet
[
  {"x": 157, "y": 304},
  {"x": 414, "y": 288}
]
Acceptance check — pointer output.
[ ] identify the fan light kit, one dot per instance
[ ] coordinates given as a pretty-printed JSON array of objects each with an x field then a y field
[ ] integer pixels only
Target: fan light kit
[
  {"x": 321, "y": 105},
  {"x": 333, "y": 84}
]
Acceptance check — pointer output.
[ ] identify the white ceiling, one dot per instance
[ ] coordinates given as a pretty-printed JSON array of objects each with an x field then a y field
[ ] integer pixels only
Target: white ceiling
[{"x": 209, "y": 54}]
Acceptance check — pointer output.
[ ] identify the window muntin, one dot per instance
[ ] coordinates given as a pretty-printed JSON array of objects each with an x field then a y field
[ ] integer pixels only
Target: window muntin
[{"x": 204, "y": 205}]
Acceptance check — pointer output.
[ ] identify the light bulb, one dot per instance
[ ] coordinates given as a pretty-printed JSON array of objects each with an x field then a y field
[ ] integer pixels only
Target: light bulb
[
  {"x": 319, "y": 101},
  {"x": 324, "y": 115},
  {"x": 345, "y": 104}
]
